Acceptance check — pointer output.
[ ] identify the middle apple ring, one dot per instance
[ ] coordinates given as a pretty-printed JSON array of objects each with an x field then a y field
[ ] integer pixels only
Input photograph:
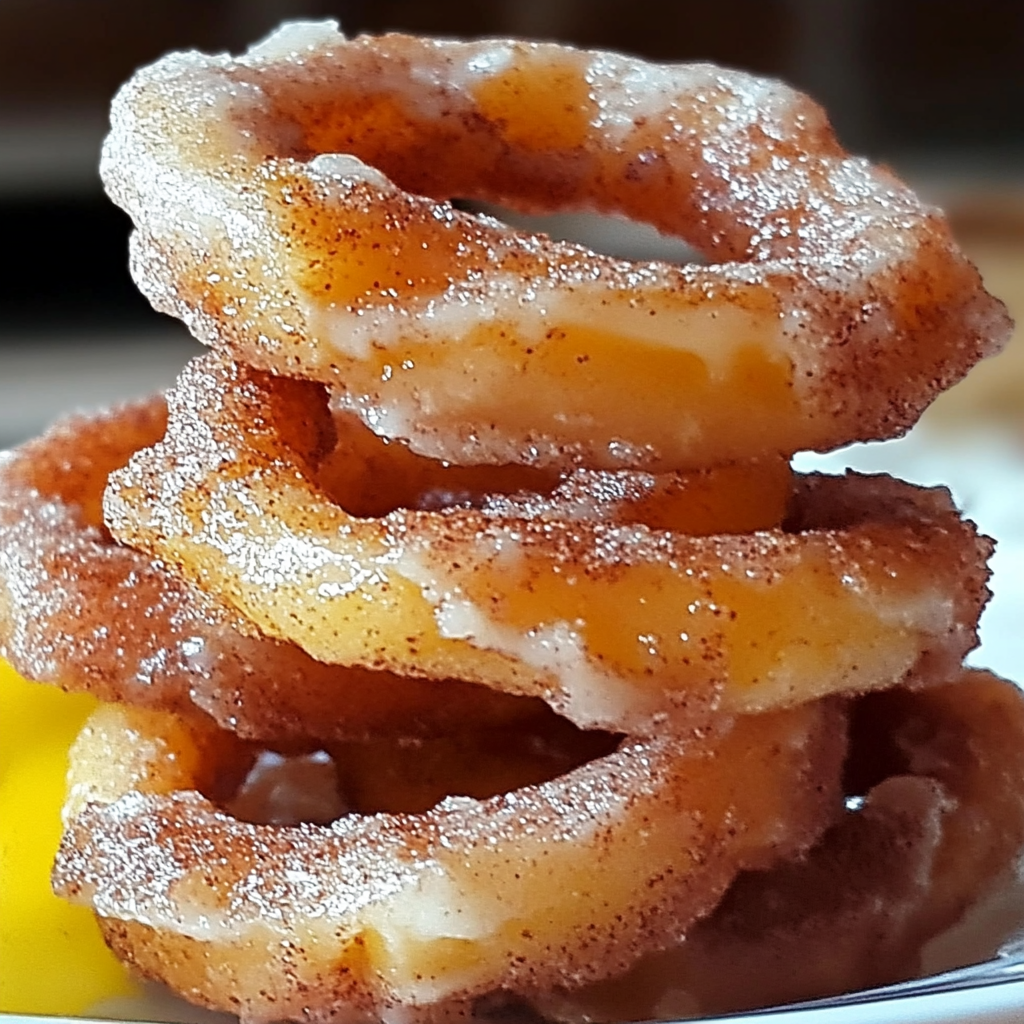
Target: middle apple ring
[{"x": 835, "y": 584}]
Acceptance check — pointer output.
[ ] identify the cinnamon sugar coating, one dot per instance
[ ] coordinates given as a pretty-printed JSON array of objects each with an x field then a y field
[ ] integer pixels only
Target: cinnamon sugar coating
[
  {"x": 618, "y": 626},
  {"x": 401, "y": 915},
  {"x": 441, "y": 483},
  {"x": 942, "y": 820},
  {"x": 80, "y": 611},
  {"x": 290, "y": 207}
]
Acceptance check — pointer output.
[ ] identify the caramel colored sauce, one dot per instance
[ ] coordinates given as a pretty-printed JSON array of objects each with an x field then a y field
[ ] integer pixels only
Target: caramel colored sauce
[
  {"x": 657, "y": 365},
  {"x": 769, "y": 640},
  {"x": 786, "y": 643},
  {"x": 354, "y": 122}
]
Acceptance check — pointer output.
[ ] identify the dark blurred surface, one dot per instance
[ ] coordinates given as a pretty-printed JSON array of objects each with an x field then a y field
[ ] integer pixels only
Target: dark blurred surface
[
  {"x": 925, "y": 84},
  {"x": 93, "y": 286}
]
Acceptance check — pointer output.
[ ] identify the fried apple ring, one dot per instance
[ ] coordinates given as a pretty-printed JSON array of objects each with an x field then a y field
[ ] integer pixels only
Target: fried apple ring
[
  {"x": 86, "y": 614},
  {"x": 396, "y": 915},
  {"x": 617, "y": 626},
  {"x": 836, "y": 308},
  {"x": 942, "y": 821}
]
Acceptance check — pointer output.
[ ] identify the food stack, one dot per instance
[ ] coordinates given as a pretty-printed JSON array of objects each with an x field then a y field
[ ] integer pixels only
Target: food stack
[{"x": 470, "y": 642}]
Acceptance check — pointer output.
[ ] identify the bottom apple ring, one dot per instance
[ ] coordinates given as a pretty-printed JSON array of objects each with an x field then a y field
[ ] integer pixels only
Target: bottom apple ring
[{"x": 554, "y": 884}]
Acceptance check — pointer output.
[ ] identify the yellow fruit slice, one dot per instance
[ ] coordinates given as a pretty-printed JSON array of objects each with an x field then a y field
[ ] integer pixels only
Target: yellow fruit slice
[{"x": 53, "y": 959}]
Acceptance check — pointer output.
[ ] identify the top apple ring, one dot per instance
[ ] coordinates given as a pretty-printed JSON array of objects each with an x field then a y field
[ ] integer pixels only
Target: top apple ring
[{"x": 271, "y": 211}]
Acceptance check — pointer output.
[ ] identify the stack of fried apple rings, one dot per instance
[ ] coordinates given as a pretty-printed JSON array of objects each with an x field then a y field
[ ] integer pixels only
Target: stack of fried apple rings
[{"x": 467, "y": 639}]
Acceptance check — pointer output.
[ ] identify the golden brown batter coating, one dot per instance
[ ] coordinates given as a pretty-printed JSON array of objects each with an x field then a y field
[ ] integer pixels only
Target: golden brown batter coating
[
  {"x": 616, "y": 625},
  {"x": 552, "y": 884},
  {"x": 942, "y": 820},
  {"x": 82, "y": 612},
  {"x": 441, "y": 482},
  {"x": 290, "y": 208}
]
